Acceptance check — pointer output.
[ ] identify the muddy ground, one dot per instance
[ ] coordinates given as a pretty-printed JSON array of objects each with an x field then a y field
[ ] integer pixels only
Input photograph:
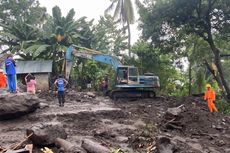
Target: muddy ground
[{"x": 136, "y": 125}]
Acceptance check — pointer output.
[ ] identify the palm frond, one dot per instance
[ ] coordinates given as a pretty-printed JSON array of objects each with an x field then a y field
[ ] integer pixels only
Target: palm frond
[
  {"x": 78, "y": 36},
  {"x": 118, "y": 9},
  {"x": 70, "y": 15},
  {"x": 9, "y": 35},
  {"x": 71, "y": 27},
  {"x": 128, "y": 7},
  {"x": 35, "y": 50},
  {"x": 31, "y": 49},
  {"x": 4, "y": 25},
  {"x": 40, "y": 49},
  {"x": 81, "y": 19},
  {"x": 111, "y": 7},
  {"x": 138, "y": 3},
  {"x": 25, "y": 56},
  {"x": 56, "y": 12}
]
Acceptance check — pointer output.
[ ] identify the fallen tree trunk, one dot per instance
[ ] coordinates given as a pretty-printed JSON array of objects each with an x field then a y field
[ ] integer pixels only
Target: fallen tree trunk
[
  {"x": 94, "y": 147},
  {"x": 68, "y": 147}
]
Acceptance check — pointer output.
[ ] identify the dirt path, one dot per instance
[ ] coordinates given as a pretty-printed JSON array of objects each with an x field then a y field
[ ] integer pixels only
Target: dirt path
[{"x": 132, "y": 125}]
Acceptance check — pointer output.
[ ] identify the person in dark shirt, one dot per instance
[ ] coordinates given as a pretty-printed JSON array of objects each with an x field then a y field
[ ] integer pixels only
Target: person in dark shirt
[
  {"x": 105, "y": 86},
  {"x": 11, "y": 73}
]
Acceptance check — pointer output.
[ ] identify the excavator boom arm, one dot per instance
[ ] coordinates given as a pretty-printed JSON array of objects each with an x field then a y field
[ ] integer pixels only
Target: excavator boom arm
[
  {"x": 103, "y": 58},
  {"x": 91, "y": 55}
]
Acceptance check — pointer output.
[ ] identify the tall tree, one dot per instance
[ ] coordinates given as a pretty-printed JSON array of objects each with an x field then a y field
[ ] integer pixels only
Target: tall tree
[
  {"x": 108, "y": 37},
  {"x": 61, "y": 31},
  {"x": 28, "y": 11},
  {"x": 151, "y": 60},
  {"x": 165, "y": 21},
  {"x": 124, "y": 13},
  {"x": 20, "y": 22}
]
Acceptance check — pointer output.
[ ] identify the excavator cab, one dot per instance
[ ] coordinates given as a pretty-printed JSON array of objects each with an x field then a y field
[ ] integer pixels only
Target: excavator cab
[{"x": 127, "y": 75}]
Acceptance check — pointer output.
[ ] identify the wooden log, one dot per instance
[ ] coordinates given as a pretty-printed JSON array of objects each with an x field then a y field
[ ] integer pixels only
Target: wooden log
[
  {"x": 172, "y": 126},
  {"x": 18, "y": 151},
  {"x": 68, "y": 146},
  {"x": 94, "y": 147}
]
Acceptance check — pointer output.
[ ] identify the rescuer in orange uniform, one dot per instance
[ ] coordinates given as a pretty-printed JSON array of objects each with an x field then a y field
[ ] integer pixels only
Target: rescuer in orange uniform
[
  {"x": 210, "y": 97},
  {"x": 2, "y": 80}
]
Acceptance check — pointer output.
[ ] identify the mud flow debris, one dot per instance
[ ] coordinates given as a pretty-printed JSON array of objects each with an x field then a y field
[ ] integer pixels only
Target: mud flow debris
[{"x": 90, "y": 122}]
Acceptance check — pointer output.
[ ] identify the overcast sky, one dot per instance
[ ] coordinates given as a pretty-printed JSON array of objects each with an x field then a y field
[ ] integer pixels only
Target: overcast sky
[{"x": 92, "y": 9}]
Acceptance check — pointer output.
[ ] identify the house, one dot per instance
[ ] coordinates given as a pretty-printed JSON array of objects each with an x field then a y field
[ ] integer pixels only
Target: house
[{"x": 40, "y": 69}]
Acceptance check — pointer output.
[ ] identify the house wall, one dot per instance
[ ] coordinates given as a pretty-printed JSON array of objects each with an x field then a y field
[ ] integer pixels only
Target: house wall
[{"x": 42, "y": 81}]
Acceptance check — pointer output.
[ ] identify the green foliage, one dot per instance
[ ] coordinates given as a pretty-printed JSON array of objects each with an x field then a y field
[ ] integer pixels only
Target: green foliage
[
  {"x": 223, "y": 106},
  {"x": 123, "y": 12},
  {"x": 20, "y": 22},
  {"x": 151, "y": 60},
  {"x": 107, "y": 37},
  {"x": 92, "y": 72},
  {"x": 191, "y": 29},
  {"x": 168, "y": 17},
  {"x": 27, "y": 11},
  {"x": 173, "y": 30}
]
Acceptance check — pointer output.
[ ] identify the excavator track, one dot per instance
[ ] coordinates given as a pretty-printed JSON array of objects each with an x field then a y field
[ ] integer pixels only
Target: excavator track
[{"x": 131, "y": 93}]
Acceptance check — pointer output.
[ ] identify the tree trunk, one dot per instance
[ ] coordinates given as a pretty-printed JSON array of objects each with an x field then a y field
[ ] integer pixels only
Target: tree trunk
[
  {"x": 129, "y": 39},
  {"x": 55, "y": 71},
  {"x": 190, "y": 79},
  {"x": 218, "y": 64},
  {"x": 216, "y": 51},
  {"x": 93, "y": 146},
  {"x": 217, "y": 78},
  {"x": 68, "y": 146}
]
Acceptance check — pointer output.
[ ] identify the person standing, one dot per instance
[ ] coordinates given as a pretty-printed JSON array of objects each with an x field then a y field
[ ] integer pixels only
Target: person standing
[
  {"x": 210, "y": 97},
  {"x": 105, "y": 85},
  {"x": 11, "y": 73},
  {"x": 30, "y": 83},
  {"x": 61, "y": 84},
  {"x": 3, "y": 81}
]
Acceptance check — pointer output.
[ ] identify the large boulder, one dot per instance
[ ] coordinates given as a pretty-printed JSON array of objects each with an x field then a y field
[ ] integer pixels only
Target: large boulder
[
  {"x": 45, "y": 134},
  {"x": 16, "y": 105}
]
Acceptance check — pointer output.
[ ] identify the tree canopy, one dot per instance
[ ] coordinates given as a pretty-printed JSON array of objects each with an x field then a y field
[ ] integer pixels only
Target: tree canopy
[
  {"x": 184, "y": 42},
  {"x": 169, "y": 23}
]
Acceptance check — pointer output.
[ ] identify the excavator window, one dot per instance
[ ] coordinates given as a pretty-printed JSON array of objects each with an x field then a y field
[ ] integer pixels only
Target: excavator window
[
  {"x": 122, "y": 75},
  {"x": 127, "y": 75},
  {"x": 133, "y": 75}
]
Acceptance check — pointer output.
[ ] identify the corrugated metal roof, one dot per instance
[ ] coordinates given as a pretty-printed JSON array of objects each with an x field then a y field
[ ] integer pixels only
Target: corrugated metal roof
[{"x": 33, "y": 67}]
